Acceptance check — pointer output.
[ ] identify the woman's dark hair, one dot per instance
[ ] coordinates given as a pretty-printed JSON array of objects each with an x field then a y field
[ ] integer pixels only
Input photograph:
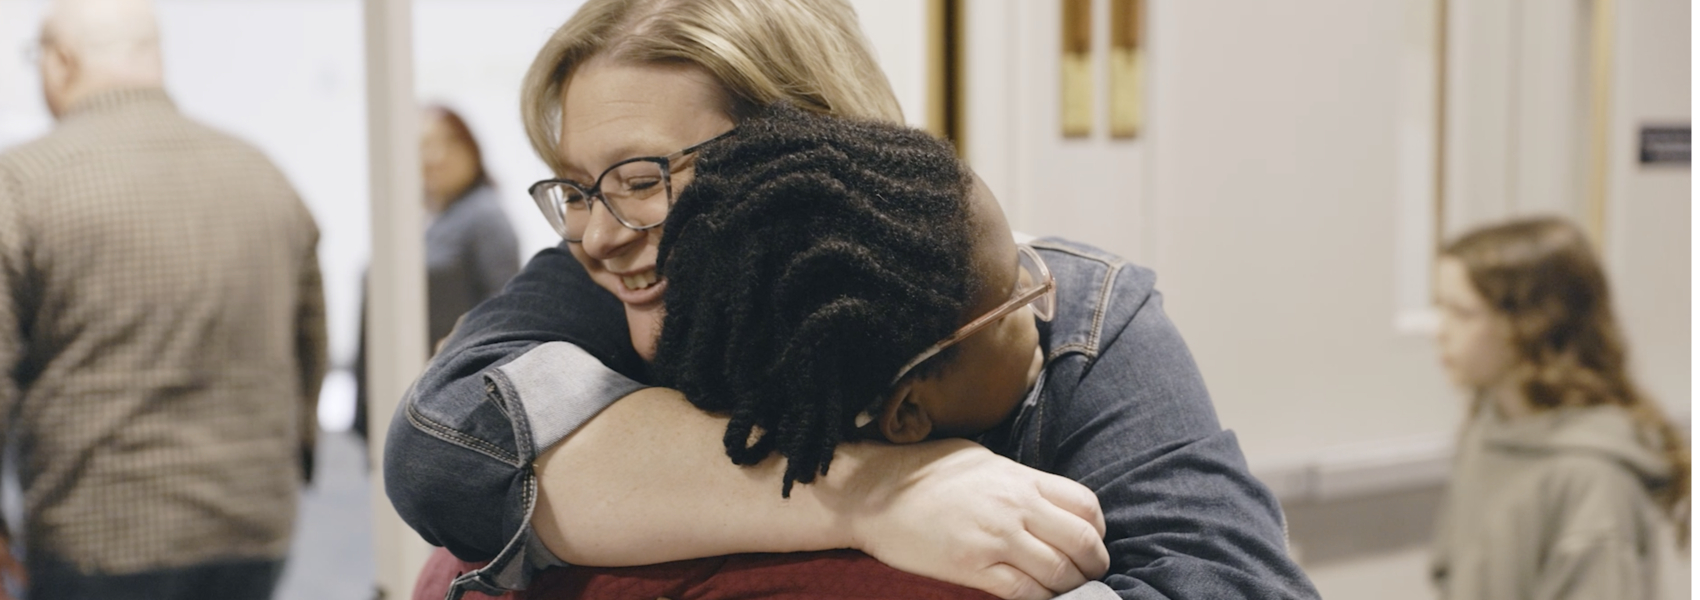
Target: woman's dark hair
[
  {"x": 1542, "y": 275},
  {"x": 809, "y": 259}
]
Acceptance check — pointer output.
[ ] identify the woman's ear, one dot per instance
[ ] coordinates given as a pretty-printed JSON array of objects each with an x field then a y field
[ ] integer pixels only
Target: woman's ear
[{"x": 903, "y": 420}]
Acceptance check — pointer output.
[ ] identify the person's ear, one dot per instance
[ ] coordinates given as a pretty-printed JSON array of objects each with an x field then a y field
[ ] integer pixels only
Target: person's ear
[
  {"x": 60, "y": 70},
  {"x": 903, "y": 420},
  {"x": 63, "y": 61}
]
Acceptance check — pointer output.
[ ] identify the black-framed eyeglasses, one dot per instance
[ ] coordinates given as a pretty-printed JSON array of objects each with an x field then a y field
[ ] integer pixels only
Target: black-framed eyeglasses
[
  {"x": 638, "y": 192},
  {"x": 1034, "y": 286}
]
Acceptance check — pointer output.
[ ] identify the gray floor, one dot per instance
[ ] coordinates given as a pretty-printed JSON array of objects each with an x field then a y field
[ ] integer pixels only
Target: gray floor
[{"x": 332, "y": 556}]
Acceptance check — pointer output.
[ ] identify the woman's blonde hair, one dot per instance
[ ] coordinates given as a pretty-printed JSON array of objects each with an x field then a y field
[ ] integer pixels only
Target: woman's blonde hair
[
  {"x": 1542, "y": 275},
  {"x": 809, "y": 52}
]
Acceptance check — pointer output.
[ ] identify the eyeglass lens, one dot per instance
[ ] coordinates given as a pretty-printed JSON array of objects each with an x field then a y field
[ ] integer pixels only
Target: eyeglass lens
[
  {"x": 1033, "y": 275},
  {"x": 636, "y": 192}
]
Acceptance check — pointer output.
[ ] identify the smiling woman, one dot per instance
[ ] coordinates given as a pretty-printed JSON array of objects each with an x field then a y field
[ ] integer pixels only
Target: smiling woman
[
  {"x": 621, "y": 111},
  {"x": 625, "y": 79}
]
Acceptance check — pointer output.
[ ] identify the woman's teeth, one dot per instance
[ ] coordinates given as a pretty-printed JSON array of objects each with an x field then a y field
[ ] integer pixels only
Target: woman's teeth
[{"x": 639, "y": 281}]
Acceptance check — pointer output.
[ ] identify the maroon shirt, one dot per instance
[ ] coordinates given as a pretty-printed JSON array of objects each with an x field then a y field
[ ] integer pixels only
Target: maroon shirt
[{"x": 843, "y": 574}]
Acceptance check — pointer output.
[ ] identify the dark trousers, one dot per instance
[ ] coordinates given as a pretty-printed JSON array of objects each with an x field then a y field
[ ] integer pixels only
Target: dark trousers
[{"x": 232, "y": 580}]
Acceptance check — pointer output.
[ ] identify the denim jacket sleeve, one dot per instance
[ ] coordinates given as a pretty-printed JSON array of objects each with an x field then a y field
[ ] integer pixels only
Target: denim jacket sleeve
[
  {"x": 521, "y": 371},
  {"x": 1125, "y": 412}
]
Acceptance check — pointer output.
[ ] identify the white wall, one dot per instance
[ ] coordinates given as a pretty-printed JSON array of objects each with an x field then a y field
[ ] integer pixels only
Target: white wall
[
  {"x": 1262, "y": 192},
  {"x": 1266, "y": 189},
  {"x": 1650, "y": 210},
  {"x": 897, "y": 29},
  {"x": 1274, "y": 186},
  {"x": 1275, "y": 161},
  {"x": 1092, "y": 188}
]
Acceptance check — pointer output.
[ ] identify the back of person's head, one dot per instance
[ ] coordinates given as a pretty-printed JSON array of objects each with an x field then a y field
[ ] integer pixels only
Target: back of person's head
[
  {"x": 807, "y": 52},
  {"x": 1542, "y": 275},
  {"x": 807, "y": 261},
  {"x": 94, "y": 45}
]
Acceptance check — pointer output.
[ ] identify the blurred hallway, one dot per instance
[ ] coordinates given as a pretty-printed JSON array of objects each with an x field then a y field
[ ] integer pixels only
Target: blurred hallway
[{"x": 332, "y": 554}]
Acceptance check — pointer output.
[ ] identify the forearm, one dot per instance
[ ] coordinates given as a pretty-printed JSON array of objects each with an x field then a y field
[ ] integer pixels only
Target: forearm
[{"x": 648, "y": 481}]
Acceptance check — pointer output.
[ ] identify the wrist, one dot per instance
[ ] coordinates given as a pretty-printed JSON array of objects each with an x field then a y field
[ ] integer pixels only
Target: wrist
[{"x": 852, "y": 491}]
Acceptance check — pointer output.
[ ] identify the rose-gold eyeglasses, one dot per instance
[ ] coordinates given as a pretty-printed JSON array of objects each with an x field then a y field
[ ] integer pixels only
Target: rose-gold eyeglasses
[{"x": 1038, "y": 289}]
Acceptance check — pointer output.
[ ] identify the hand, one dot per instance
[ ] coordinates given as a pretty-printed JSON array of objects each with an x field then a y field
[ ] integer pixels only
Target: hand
[
  {"x": 11, "y": 568},
  {"x": 307, "y": 464},
  {"x": 309, "y": 445},
  {"x": 953, "y": 510}
]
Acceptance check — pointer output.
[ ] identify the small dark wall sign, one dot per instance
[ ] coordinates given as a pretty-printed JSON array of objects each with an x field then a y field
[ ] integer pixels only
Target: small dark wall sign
[{"x": 1664, "y": 145}]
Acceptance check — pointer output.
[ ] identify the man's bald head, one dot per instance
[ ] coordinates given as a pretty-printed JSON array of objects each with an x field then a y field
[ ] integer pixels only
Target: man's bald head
[{"x": 91, "y": 46}]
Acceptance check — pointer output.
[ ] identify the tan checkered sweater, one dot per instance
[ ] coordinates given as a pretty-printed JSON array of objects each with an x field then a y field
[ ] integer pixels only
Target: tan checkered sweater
[{"x": 162, "y": 331}]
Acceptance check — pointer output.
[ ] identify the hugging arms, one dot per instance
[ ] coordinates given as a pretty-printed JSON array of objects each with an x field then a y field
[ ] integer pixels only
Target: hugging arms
[
  {"x": 1117, "y": 406},
  {"x": 536, "y": 438}
]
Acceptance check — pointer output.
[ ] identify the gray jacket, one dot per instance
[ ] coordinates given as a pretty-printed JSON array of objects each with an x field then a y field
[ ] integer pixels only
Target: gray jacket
[{"x": 1553, "y": 506}]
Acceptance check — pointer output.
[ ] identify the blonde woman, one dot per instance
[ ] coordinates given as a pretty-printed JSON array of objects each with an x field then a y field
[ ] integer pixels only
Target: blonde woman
[
  {"x": 532, "y": 440},
  {"x": 1568, "y": 480}
]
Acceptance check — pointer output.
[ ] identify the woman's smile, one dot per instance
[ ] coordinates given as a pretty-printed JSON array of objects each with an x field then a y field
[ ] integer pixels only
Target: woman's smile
[{"x": 636, "y": 289}]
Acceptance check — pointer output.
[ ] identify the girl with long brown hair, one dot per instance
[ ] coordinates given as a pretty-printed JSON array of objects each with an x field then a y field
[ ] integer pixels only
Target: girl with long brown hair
[{"x": 1568, "y": 480}]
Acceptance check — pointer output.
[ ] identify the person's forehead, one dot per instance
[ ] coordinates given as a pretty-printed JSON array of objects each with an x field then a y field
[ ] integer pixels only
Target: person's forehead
[
  {"x": 1452, "y": 283},
  {"x": 995, "y": 260},
  {"x": 433, "y": 128},
  {"x": 611, "y": 111}
]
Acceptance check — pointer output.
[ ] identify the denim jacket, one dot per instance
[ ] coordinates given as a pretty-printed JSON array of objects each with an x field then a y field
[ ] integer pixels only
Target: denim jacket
[{"x": 1120, "y": 407}]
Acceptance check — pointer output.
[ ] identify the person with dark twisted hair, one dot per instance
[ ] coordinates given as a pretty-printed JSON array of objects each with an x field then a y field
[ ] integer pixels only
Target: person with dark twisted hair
[
  {"x": 836, "y": 279},
  {"x": 809, "y": 258}
]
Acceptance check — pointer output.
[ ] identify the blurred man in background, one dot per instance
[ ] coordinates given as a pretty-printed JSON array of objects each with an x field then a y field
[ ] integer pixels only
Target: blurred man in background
[{"x": 161, "y": 332}]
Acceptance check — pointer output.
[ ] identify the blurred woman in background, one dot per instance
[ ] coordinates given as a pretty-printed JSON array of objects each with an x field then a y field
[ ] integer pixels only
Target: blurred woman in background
[
  {"x": 471, "y": 250},
  {"x": 470, "y": 247},
  {"x": 1567, "y": 480}
]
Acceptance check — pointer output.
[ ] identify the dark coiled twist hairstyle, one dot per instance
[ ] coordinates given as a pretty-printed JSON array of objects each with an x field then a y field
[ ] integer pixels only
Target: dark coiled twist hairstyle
[{"x": 808, "y": 259}]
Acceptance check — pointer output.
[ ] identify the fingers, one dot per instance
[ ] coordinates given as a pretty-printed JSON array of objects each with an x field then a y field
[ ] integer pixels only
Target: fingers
[
  {"x": 1075, "y": 498},
  {"x": 1076, "y": 539},
  {"x": 1010, "y": 583},
  {"x": 1045, "y": 564}
]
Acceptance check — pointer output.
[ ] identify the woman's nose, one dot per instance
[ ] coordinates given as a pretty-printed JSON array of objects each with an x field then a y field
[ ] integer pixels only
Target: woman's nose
[{"x": 605, "y": 237}]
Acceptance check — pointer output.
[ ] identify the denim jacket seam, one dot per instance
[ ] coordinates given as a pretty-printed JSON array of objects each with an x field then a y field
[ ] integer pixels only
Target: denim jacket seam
[
  {"x": 1112, "y": 269},
  {"x": 1060, "y": 351},
  {"x": 502, "y": 393},
  {"x": 488, "y": 579},
  {"x": 1105, "y": 290},
  {"x": 449, "y": 434}
]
